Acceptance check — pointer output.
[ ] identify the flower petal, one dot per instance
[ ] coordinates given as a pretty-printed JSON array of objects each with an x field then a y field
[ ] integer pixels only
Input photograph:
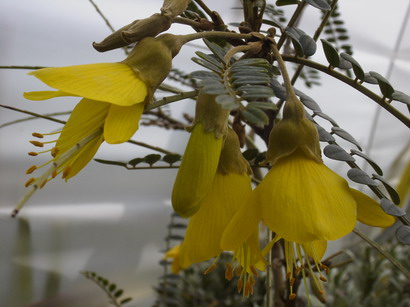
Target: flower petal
[
  {"x": 87, "y": 117},
  {"x": 242, "y": 225},
  {"x": 315, "y": 249},
  {"x": 303, "y": 200},
  {"x": 196, "y": 172},
  {"x": 122, "y": 123},
  {"x": 115, "y": 83},
  {"x": 205, "y": 228},
  {"x": 369, "y": 211},
  {"x": 84, "y": 156},
  {"x": 44, "y": 95}
]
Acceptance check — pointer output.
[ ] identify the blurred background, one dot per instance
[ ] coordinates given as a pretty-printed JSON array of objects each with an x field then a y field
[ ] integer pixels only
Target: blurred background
[{"x": 112, "y": 220}]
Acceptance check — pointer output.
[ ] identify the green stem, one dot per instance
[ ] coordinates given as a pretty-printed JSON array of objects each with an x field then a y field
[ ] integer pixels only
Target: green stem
[
  {"x": 159, "y": 149},
  {"x": 286, "y": 79},
  {"x": 292, "y": 22},
  {"x": 318, "y": 31},
  {"x": 378, "y": 99},
  {"x": 33, "y": 117},
  {"x": 21, "y": 67},
  {"x": 33, "y": 114},
  {"x": 383, "y": 252},
  {"x": 204, "y": 7},
  {"x": 214, "y": 34},
  {"x": 170, "y": 99}
]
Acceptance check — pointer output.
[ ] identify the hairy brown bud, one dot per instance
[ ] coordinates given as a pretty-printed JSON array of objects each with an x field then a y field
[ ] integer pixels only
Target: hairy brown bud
[{"x": 135, "y": 31}]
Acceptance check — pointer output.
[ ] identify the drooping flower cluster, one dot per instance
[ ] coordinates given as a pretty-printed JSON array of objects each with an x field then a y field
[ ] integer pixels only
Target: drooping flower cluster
[{"x": 212, "y": 183}]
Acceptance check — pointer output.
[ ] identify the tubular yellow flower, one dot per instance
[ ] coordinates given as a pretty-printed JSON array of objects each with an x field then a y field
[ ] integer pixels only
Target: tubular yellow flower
[
  {"x": 201, "y": 157},
  {"x": 231, "y": 187},
  {"x": 114, "y": 97},
  {"x": 301, "y": 200}
]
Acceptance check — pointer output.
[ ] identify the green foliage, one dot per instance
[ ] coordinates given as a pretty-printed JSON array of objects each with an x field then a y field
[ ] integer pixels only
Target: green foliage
[
  {"x": 115, "y": 294},
  {"x": 370, "y": 281}
]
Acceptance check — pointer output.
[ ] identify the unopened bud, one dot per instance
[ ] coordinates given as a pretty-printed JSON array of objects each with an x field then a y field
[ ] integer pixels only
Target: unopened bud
[
  {"x": 135, "y": 31},
  {"x": 173, "y": 8}
]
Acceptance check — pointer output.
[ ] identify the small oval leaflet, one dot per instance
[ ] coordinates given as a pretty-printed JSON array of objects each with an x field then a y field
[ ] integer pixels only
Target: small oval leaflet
[
  {"x": 255, "y": 116},
  {"x": 402, "y": 97},
  {"x": 278, "y": 89},
  {"x": 346, "y": 136},
  {"x": 403, "y": 234},
  {"x": 171, "y": 158},
  {"x": 204, "y": 75},
  {"x": 331, "y": 53},
  {"x": 308, "y": 101},
  {"x": 324, "y": 136},
  {"x": 392, "y": 192},
  {"x": 209, "y": 58},
  {"x": 319, "y": 4},
  {"x": 216, "y": 49},
  {"x": 369, "y": 79},
  {"x": 207, "y": 65},
  {"x": 327, "y": 117},
  {"x": 357, "y": 69},
  {"x": 391, "y": 208},
  {"x": 152, "y": 158},
  {"x": 336, "y": 152},
  {"x": 227, "y": 102},
  {"x": 359, "y": 176},
  {"x": 385, "y": 86},
  {"x": 370, "y": 161}
]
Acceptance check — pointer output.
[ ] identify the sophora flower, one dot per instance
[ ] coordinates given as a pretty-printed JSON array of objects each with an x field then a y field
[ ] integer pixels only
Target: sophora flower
[
  {"x": 201, "y": 157},
  {"x": 230, "y": 188},
  {"x": 301, "y": 200},
  {"x": 114, "y": 97}
]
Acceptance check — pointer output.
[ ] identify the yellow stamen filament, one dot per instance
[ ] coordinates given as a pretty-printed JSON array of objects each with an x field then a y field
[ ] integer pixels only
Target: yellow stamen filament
[
  {"x": 43, "y": 184},
  {"x": 292, "y": 281},
  {"x": 29, "y": 182},
  {"x": 37, "y": 143},
  {"x": 31, "y": 169},
  {"x": 208, "y": 270}
]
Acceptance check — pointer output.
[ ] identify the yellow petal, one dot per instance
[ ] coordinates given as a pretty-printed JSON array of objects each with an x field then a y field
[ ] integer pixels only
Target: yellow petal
[
  {"x": 115, "y": 83},
  {"x": 87, "y": 117},
  {"x": 369, "y": 211},
  {"x": 303, "y": 200},
  {"x": 205, "y": 228},
  {"x": 196, "y": 172},
  {"x": 84, "y": 156},
  {"x": 122, "y": 122},
  {"x": 43, "y": 95},
  {"x": 242, "y": 225},
  {"x": 315, "y": 249},
  {"x": 173, "y": 253}
]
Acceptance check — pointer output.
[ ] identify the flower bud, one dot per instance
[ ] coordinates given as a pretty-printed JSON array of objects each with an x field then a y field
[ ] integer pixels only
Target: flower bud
[
  {"x": 211, "y": 115},
  {"x": 231, "y": 159},
  {"x": 135, "y": 31},
  {"x": 173, "y": 8},
  {"x": 293, "y": 132}
]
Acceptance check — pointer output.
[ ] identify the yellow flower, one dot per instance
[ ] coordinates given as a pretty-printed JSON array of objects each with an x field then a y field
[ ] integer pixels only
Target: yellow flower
[
  {"x": 201, "y": 157},
  {"x": 230, "y": 187},
  {"x": 114, "y": 97},
  {"x": 300, "y": 199}
]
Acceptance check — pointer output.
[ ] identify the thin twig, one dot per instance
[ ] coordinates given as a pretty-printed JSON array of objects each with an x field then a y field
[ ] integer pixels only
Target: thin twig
[
  {"x": 33, "y": 117},
  {"x": 170, "y": 99},
  {"x": 107, "y": 22},
  {"x": 33, "y": 114},
  {"x": 378, "y": 99},
  {"x": 204, "y": 7},
  {"x": 383, "y": 252},
  {"x": 21, "y": 67},
  {"x": 159, "y": 149}
]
